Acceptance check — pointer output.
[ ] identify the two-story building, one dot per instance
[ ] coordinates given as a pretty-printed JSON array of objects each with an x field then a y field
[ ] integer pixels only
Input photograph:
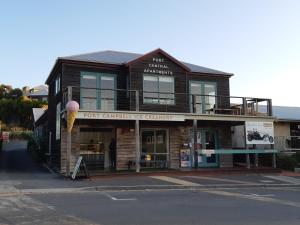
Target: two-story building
[{"x": 161, "y": 112}]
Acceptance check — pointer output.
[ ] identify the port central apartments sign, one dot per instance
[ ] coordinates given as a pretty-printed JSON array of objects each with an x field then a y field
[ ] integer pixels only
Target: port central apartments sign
[{"x": 128, "y": 116}]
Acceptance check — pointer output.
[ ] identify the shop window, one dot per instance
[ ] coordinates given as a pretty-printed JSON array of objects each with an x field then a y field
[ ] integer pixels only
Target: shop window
[
  {"x": 158, "y": 90},
  {"x": 154, "y": 149}
]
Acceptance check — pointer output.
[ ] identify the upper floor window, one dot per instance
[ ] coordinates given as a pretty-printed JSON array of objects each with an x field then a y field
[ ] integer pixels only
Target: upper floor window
[
  {"x": 97, "y": 91},
  {"x": 57, "y": 84},
  {"x": 158, "y": 90},
  {"x": 58, "y": 109},
  {"x": 202, "y": 96}
]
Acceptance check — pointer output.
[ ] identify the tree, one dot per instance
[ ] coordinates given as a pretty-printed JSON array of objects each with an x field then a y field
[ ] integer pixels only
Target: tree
[
  {"x": 15, "y": 93},
  {"x": 4, "y": 90}
]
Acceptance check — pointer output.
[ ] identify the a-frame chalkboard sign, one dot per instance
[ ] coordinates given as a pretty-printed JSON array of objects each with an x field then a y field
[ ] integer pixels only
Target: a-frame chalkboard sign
[{"x": 80, "y": 166}]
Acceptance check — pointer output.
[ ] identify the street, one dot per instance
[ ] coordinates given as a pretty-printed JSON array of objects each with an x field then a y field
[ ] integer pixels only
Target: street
[{"x": 30, "y": 194}]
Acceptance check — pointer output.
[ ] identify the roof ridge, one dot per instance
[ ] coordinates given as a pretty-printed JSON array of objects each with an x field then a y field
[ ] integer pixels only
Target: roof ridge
[{"x": 88, "y": 53}]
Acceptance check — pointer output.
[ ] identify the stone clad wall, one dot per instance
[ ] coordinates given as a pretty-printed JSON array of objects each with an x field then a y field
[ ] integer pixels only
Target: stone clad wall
[
  {"x": 178, "y": 136},
  {"x": 125, "y": 148},
  {"x": 75, "y": 150}
]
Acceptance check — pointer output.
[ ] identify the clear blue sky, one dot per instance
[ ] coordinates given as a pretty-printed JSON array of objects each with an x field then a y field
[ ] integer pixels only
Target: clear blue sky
[{"x": 257, "y": 40}]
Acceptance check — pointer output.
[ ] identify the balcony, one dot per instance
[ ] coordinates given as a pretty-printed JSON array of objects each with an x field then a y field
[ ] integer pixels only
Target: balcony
[{"x": 114, "y": 100}]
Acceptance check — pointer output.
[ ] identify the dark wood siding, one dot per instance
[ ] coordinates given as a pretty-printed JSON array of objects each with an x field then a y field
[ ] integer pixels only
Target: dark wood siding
[
  {"x": 71, "y": 77},
  {"x": 53, "y": 99}
]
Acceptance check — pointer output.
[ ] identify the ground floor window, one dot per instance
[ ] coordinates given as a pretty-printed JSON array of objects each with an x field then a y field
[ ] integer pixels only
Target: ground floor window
[
  {"x": 94, "y": 147},
  {"x": 155, "y": 152}
]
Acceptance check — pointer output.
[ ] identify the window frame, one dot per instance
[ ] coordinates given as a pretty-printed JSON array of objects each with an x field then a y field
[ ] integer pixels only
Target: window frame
[
  {"x": 98, "y": 89},
  {"x": 58, "y": 121},
  {"x": 159, "y": 93},
  {"x": 202, "y": 94},
  {"x": 57, "y": 84}
]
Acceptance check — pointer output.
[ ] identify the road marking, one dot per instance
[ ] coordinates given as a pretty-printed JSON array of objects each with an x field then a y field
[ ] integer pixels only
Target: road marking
[
  {"x": 258, "y": 195},
  {"x": 291, "y": 180},
  {"x": 266, "y": 181},
  {"x": 220, "y": 179},
  {"x": 175, "y": 181},
  {"x": 253, "y": 197},
  {"x": 119, "y": 199}
]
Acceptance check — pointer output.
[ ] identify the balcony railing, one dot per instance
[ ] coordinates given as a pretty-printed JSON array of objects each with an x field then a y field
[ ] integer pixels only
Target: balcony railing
[
  {"x": 137, "y": 100},
  {"x": 287, "y": 143}
]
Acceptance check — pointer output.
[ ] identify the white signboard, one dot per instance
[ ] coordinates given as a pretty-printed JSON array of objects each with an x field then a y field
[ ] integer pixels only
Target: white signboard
[
  {"x": 259, "y": 133},
  {"x": 128, "y": 116}
]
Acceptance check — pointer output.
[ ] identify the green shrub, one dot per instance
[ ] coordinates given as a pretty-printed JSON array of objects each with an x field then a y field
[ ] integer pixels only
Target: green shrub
[
  {"x": 25, "y": 135},
  {"x": 287, "y": 162}
]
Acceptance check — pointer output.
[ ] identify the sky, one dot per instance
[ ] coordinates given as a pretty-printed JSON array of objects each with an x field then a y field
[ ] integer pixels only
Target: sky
[{"x": 256, "y": 40}]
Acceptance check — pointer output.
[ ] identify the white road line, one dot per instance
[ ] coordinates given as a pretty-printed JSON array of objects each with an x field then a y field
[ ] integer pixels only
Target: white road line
[
  {"x": 119, "y": 199},
  {"x": 219, "y": 179},
  {"x": 253, "y": 197},
  {"x": 286, "y": 179},
  {"x": 266, "y": 181},
  {"x": 176, "y": 181}
]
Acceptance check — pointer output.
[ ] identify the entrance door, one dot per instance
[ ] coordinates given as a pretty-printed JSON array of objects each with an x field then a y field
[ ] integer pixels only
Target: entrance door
[
  {"x": 154, "y": 148},
  {"x": 208, "y": 141}
]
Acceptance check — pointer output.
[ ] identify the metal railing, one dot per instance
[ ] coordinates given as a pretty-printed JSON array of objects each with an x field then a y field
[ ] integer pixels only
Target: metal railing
[
  {"x": 137, "y": 100},
  {"x": 287, "y": 143}
]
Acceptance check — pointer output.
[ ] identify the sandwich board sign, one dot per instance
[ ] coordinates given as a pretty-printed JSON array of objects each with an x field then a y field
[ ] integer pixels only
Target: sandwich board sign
[{"x": 77, "y": 167}]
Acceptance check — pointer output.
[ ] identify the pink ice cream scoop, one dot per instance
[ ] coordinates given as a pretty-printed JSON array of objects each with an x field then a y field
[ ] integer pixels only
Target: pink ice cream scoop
[{"x": 72, "y": 106}]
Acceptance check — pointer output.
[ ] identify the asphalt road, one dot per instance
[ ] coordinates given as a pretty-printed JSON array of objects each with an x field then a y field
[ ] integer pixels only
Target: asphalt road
[{"x": 30, "y": 194}]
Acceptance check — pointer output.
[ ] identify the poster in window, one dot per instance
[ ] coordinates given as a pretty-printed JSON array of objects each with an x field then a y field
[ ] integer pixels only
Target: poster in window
[
  {"x": 185, "y": 158},
  {"x": 259, "y": 133}
]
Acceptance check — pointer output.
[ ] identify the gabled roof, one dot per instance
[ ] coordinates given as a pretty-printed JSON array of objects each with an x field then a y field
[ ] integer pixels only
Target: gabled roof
[
  {"x": 41, "y": 90},
  {"x": 285, "y": 113},
  {"x": 164, "y": 54},
  {"x": 37, "y": 113},
  {"x": 123, "y": 58}
]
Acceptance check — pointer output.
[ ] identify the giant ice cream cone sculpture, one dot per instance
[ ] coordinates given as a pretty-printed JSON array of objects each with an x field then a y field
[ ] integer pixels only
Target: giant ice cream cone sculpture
[{"x": 72, "y": 109}]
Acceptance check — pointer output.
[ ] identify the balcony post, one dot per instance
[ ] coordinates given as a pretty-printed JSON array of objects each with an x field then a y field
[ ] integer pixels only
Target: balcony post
[
  {"x": 195, "y": 130},
  {"x": 245, "y": 107},
  {"x": 194, "y": 104},
  {"x": 137, "y": 135},
  {"x": 270, "y": 111}
]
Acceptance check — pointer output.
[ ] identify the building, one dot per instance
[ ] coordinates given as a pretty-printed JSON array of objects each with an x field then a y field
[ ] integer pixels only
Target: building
[
  {"x": 287, "y": 128},
  {"x": 163, "y": 113},
  {"x": 38, "y": 93}
]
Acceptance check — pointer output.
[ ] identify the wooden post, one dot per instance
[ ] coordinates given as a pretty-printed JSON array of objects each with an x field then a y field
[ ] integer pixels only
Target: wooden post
[
  {"x": 69, "y": 138},
  {"x": 274, "y": 161},
  {"x": 256, "y": 160},
  {"x": 245, "y": 107},
  {"x": 248, "y": 161},
  {"x": 137, "y": 135},
  {"x": 195, "y": 143},
  {"x": 270, "y": 111}
]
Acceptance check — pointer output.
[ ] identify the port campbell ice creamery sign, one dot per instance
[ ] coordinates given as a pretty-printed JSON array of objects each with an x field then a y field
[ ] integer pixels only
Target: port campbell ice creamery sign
[
  {"x": 128, "y": 116},
  {"x": 158, "y": 66}
]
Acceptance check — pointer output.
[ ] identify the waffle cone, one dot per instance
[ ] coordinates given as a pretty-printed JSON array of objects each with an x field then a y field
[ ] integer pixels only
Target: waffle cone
[{"x": 70, "y": 120}]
